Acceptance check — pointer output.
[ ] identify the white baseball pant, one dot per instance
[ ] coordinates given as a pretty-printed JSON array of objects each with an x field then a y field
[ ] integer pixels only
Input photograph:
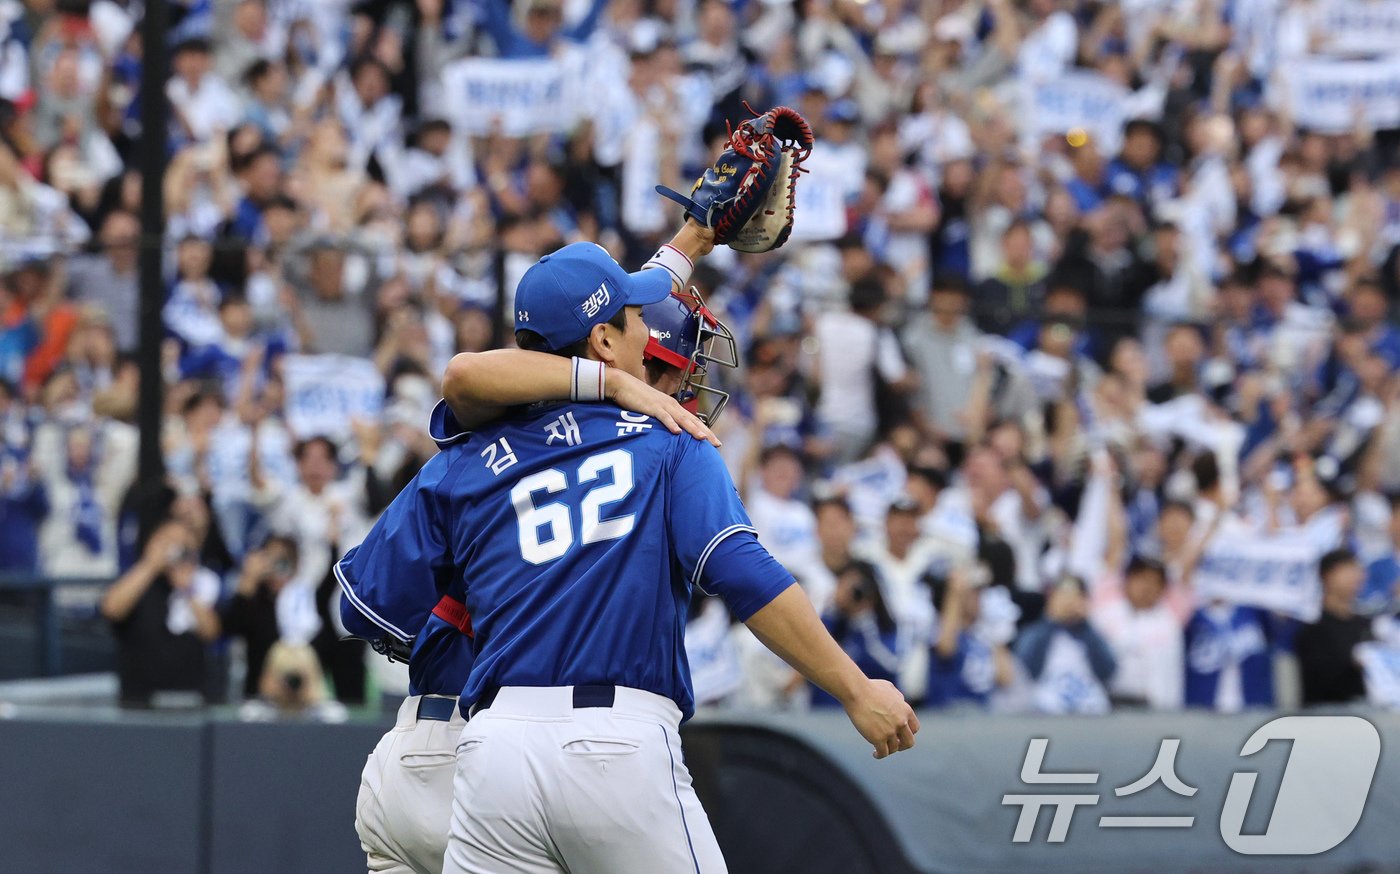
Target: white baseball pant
[
  {"x": 405, "y": 799},
  {"x": 544, "y": 786}
]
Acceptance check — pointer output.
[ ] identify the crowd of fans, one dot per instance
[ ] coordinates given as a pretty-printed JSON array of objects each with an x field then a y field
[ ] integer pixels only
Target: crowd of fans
[{"x": 1003, "y": 401}]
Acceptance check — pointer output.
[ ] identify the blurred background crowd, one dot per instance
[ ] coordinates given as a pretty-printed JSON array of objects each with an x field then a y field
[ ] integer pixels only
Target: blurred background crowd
[{"x": 1074, "y": 390}]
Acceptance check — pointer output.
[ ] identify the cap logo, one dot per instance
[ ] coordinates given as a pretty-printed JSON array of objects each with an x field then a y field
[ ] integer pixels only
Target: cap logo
[
  {"x": 596, "y": 301},
  {"x": 522, "y": 315}
]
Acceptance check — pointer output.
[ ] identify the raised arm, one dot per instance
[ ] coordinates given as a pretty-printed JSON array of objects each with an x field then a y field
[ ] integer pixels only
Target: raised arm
[
  {"x": 122, "y": 596},
  {"x": 589, "y": 23},
  {"x": 480, "y": 386}
]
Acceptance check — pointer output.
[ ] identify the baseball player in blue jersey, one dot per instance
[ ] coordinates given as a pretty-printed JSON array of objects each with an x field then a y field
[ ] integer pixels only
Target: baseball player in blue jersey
[
  {"x": 580, "y": 530},
  {"x": 404, "y": 803}
]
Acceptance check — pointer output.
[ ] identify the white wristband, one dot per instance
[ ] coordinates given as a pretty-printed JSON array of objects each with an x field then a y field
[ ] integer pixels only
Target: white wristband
[
  {"x": 673, "y": 261},
  {"x": 586, "y": 384}
]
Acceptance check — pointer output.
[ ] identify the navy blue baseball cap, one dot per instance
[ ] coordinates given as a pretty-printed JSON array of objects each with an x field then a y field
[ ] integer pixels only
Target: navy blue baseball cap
[{"x": 564, "y": 294}]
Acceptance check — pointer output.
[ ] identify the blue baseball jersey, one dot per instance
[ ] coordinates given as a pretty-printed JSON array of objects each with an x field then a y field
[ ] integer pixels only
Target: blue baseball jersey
[
  {"x": 579, "y": 531},
  {"x": 441, "y": 656}
]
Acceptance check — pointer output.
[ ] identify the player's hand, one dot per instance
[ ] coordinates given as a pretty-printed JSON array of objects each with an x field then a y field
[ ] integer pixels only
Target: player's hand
[
  {"x": 883, "y": 717},
  {"x": 636, "y": 396},
  {"x": 701, "y": 239}
]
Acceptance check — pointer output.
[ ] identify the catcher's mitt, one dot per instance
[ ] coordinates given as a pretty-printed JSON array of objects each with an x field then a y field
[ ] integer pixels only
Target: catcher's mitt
[{"x": 747, "y": 196}]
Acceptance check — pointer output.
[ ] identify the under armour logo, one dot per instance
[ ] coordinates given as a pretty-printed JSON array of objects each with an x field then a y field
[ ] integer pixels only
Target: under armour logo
[
  {"x": 522, "y": 316},
  {"x": 596, "y": 301}
]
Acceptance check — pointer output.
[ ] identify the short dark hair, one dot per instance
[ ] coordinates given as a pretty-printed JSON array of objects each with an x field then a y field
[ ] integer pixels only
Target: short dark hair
[
  {"x": 1143, "y": 125},
  {"x": 835, "y": 502},
  {"x": 432, "y": 125},
  {"x": 261, "y": 150},
  {"x": 1140, "y": 564},
  {"x": 1068, "y": 280},
  {"x": 951, "y": 282},
  {"x": 867, "y": 294},
  {"x": 365, "y": 62},
  {"x": 286, "y": 541},
  {"x": 1182, "y": 506},
  {"x": 282, "y": 201},
  {"x": 197, "y": 44},
  {"x": 256, "y": 71},
  {"x": 772, "y": 451},
  {"x": 1206, "y": 469},
  {"x": 200, "y": 396},
  {"x": 533, "y": 342},
  {"x": 1333, "y": 560},
  {"x": 932, "y": 475},
  {"x": 303, "y": 445},
  {"x": 1370, "y": 281},
  {"x": 1238, "y": 278}
]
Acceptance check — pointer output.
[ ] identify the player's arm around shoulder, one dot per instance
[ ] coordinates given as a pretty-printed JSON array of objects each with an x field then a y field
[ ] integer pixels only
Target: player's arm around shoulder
[{"x": 481, "y": 387}]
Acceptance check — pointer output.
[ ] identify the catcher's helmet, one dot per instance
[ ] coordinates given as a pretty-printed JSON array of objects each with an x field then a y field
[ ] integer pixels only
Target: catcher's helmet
[{"x": 687, "y": 336}]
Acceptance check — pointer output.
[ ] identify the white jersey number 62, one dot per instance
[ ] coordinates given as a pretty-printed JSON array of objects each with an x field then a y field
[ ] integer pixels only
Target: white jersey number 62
[{"x": 557, "y": 515}]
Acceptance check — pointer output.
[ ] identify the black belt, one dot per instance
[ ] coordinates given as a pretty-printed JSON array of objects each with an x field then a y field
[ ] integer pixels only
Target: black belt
[
  {"x": 436, "y": 708},
  {"x": 595, "y": 695}
]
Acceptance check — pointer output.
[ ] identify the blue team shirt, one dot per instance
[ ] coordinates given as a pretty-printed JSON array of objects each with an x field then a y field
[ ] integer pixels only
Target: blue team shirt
[{"x": 576, "y": 533}]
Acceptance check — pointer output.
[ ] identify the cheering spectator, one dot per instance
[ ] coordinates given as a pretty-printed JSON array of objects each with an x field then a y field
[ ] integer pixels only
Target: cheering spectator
[
  {"x": 904, "y": 562},
  {"x": 107, "y": 280},
  {"x": 1229, "y": 663},
  {"x": 23, "y": 501},
  {"x": 86, "y": 470},
  {"x": 965, "y": 666},
  {"x": 192, "y": 310},
  {"x": 855, "y": 351},
  {"x": 1069, "y": 662},
  {"x": 1143, "y": 633},
  {"x": 163, "y": 613},
  {"x": 322, "y": 513},
  {"x": 323, "y": 197},
  {"x": 1380, "y": 593},
  {"x": 250, "y": 613},
  {"x": 943, "y": 345},
  {"x": 19, "y": 335},
  {"x": 784, "y": 521},
  {"x": 543, "y": 26},
  {"x": 334, "y": 311},
  {"x": 1326, "y": 648},
  {"x": 1013, "y": 290},
  {"x": 204, "y": 104}
]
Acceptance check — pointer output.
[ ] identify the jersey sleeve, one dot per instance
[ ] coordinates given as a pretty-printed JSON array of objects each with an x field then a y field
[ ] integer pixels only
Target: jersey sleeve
[
  {"x": 703, "y": 512},
  {"x": 744, "y": 574},
  {"x": 393, "y": 579}
]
